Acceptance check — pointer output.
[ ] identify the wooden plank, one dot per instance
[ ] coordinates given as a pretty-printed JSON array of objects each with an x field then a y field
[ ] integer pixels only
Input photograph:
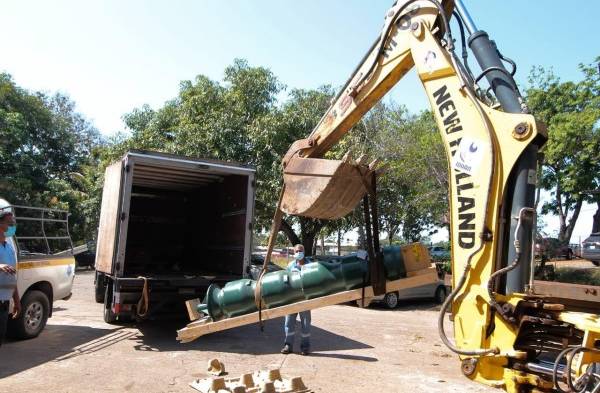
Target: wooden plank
[
  {"x": 588, "y": 293},
  {"x": 109, "y": 218},
  {"x": 191, "y": 333},
  {"x": 192, "y": 309}
]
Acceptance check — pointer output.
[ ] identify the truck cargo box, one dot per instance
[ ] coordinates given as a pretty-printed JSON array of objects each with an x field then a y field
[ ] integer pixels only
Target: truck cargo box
[{"x": 181, "y": 223}]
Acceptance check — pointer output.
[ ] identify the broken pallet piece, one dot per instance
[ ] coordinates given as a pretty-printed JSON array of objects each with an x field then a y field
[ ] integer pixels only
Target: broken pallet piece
[
  {"x": 206, "y": 326},
  {"x": 269, "y": 381}
]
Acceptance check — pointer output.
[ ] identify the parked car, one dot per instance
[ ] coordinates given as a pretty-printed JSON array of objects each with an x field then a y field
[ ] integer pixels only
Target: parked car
[
  {"x": 591, "y": 248},
  {"x": 550, "y": 248},
  {"x": 256, "y": 264},
  {"x": 576, "y": 249},
  {"x": 45, "y": 266},
  {"x": 85, "y": 255},
  {"x": 436, "y": 291},
  {"x": 439, "y": 253}
]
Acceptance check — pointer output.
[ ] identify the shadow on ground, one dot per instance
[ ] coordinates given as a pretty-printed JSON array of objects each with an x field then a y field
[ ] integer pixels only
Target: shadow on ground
[
  {"x": 418, "y": 304},
  {"x": 56, "y": 343},
  {"x": 160, "y": 336}
]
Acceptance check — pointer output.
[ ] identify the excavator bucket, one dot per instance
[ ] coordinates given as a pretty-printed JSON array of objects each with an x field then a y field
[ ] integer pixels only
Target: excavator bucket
[{"x": 326, "y": 189}]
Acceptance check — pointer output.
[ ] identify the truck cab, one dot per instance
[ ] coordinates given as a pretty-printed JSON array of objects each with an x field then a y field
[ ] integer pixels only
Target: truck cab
[{"x": 45, "y": 266}]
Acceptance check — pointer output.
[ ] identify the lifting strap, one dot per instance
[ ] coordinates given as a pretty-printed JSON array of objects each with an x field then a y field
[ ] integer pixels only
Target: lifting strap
[
  {"x": 272, "y": 237},
  {"x": 143, "y": 303}
]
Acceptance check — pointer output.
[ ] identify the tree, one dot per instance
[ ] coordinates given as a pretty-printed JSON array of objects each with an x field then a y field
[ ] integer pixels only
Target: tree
[
  {"x": 412, "y": 149},
  {"x": 294, "y": 120},
  {"x": 571, "y": 111},
  {"x": 236, "y": 120},
  {"x": 44, "y": 142}
]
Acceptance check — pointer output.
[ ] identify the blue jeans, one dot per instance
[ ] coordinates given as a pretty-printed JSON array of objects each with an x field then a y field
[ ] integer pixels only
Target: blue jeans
[{"x": 290, "y": 330}]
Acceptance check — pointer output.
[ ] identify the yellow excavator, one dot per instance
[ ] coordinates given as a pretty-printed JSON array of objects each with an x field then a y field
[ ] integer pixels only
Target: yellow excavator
[{"x": 505, "y": 335}]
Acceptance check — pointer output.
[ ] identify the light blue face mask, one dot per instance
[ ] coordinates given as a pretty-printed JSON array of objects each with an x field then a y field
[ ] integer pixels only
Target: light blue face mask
[
  {"x": 299, "y": 255},
  {"x": 11, "y": 231}
]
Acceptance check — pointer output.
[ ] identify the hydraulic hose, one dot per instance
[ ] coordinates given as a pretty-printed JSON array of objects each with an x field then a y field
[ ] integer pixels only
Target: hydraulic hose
[
  {"x": 463, "y": 278},
  {"x": 379, "y": 44},
  {"x": 512, "y": 266}
]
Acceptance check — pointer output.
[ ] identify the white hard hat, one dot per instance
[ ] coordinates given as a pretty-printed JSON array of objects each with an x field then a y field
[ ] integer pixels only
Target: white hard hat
[{"x": 5, "y": 208}]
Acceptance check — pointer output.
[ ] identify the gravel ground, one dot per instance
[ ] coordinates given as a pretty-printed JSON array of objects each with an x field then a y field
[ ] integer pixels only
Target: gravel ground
[{"x": 355, "y": 350}]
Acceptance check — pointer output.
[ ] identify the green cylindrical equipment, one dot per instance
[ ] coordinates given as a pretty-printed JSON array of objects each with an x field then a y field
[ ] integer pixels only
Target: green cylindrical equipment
[{"x": 324, "y": 276}]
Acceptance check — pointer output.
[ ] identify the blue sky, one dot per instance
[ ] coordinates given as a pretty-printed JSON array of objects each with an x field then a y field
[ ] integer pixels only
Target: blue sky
[{"x": 113, "y": 56}]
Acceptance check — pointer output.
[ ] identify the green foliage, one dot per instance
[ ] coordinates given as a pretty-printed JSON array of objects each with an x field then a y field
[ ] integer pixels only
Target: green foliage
[
  {"x": 571, "y": 111},
  {"x": 578, "y": 276},
  {"x": 239, "y": 120},
  {"x": 45, "y": 146},
  {"x": 412, "y": 192}
]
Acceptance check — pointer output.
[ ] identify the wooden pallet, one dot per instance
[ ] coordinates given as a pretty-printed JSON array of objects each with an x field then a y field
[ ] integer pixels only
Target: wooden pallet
[
  {"x": 206, "y": 326},
  {"x": 561, "y": 290}
]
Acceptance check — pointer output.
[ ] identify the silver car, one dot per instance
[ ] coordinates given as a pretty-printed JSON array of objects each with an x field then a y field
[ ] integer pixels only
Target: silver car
[
  {"x": 591, "y": 248},
  {"x": 436, "y": 291}
]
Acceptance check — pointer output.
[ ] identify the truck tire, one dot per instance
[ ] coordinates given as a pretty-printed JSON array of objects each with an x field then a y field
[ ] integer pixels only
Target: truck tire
[
  {"x": 440, "y": 294},
  {"x": 569, "y": 254},
  {"x": 109, "y": 315},
  {"x": 391, "y": 300},
  {"x": 99, "y": 288},
  {"x": 35, "y": 308}
]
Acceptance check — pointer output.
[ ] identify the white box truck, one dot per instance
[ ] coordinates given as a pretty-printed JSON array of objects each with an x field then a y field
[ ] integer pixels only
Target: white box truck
[{"x": 169, "y": 227}]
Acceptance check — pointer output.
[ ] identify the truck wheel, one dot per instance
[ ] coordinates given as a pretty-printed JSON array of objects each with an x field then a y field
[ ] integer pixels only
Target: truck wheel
[
  {"x": 35, "y": 308},
  {"x": 109, "y": 315},
  {"x": 99, "y": 288},
  {"x": 391, "y": 300},
  {"x": 440, "y": 294}
]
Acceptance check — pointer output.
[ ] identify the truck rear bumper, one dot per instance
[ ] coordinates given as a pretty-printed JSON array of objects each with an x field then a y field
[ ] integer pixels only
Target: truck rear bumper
[{"x": 165, "y": 294}]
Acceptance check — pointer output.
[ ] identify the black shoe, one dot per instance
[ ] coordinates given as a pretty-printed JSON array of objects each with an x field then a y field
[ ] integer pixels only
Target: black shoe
[
  {"x": 286, "y": 349},
  {"x": 304, "y": 352}
]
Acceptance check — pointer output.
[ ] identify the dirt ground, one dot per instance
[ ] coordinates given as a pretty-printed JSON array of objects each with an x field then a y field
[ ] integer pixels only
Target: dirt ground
[{"x": 355, "y": 350}]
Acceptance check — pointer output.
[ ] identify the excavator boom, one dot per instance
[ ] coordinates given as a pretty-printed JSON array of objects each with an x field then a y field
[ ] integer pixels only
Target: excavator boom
[{"x": 504, "y": 333}]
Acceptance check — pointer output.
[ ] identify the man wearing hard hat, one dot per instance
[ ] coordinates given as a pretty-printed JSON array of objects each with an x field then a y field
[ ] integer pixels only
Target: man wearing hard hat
[{"x": 8, "y": 268}]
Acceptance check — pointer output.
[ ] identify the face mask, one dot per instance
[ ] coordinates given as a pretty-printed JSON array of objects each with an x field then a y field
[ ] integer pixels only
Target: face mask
[
  {"x": 299, "y": 255},
  {"x": 11, "y": 231}
]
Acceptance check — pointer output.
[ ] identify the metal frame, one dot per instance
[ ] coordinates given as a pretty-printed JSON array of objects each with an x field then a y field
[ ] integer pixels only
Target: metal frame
[
  {"x": 249, "y": 219},
  {"x": 43, "y": 219},
  {"x": 131, "y": 159}
]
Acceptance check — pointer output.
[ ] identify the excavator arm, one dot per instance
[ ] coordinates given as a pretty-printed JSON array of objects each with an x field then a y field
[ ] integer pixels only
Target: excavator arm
[{"x": 505, "y": 335}]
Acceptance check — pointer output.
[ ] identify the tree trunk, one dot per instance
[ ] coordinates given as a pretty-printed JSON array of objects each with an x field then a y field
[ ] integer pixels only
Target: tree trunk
[
  {"x": 391, "y": 233},
  {"x": 572, "y": 221},
  {"x": 289, "y": 232},
  {"x": 322, "y": 245},
  {"x": 339, "y": 242},
  {"x": 362, "y": 242},
  {"x": 596, "y": 222}
]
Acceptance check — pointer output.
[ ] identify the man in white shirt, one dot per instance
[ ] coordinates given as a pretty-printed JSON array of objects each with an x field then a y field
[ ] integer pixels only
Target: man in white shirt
[
  {"x": 8, "y": 270},
  {"x": 290, "y": 320}
]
